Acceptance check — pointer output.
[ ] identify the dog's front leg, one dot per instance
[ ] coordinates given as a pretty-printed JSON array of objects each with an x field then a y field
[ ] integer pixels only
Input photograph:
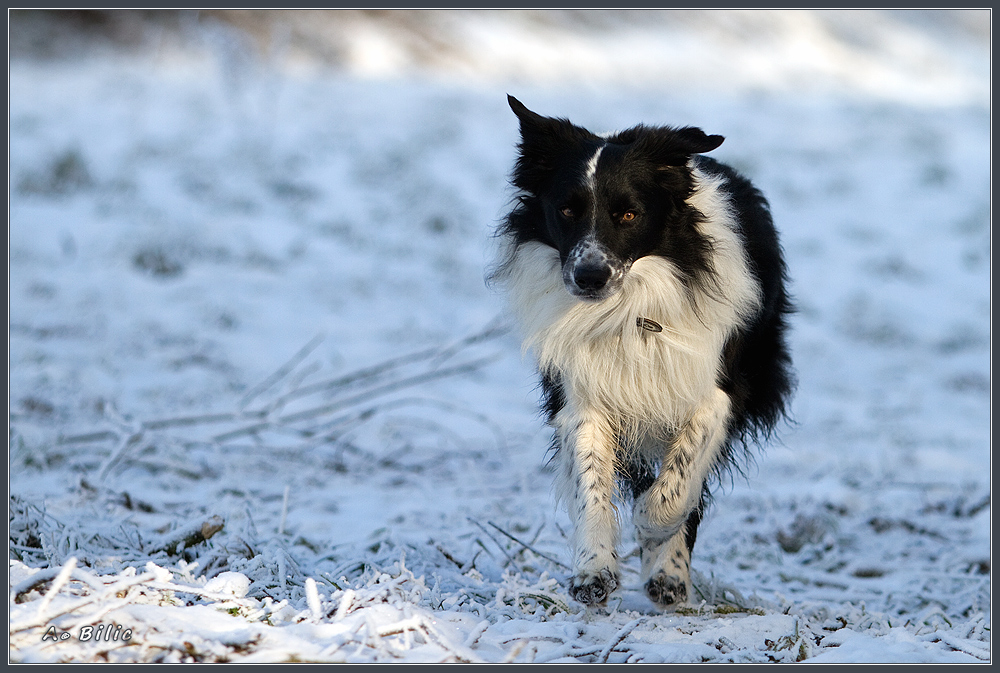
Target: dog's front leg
[
  {"x": 662, "y": 512},
  {"x": 586, "y": 479}
]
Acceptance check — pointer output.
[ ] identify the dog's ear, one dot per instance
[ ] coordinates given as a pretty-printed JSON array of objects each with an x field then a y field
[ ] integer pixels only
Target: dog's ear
[
  {"x": 543, "y": 141},
  {"x": 695, "y": 141},
  {"x": 527, "y": 118},
  {"x": 535, "y": 127},
  {"x": 671, "y": 147}
]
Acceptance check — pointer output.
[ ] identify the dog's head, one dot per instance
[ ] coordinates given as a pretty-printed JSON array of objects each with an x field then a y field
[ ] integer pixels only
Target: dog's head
[{"x": 604, "y": 202}]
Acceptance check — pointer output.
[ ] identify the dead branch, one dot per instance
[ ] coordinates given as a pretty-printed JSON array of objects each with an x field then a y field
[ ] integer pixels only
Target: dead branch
[
  {"x": 510, "y": 559},
  {"x": 619, "y": 637},
  {"x": 190, "y": 420},
  {"x": 282, "y": 371},
  {"x": 374, "y": 372},
  {"x": 387, "y": 388},
  {"x": 123, "y": 448},
  {"x": 188, "y": 536},
  {"x": 529, "y": 547},
  {"x": 449, "y": 556}
]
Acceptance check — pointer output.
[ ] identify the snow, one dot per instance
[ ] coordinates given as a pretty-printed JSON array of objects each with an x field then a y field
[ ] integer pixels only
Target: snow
[{"x": 202, "y": 233}]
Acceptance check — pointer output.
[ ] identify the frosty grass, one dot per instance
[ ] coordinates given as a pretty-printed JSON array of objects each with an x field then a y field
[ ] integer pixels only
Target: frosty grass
[{"x": 264, "y": 409}]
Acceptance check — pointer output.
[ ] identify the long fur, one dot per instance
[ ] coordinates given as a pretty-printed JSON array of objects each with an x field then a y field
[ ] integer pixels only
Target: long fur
[
  {"x": 659, "y": 411},
  {"x": 653, "y": 379}
]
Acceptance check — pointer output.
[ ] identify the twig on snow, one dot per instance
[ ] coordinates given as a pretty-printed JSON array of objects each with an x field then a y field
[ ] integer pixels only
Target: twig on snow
[
  {"x": 971, "y": 648},
  {"x": 516, "y": 650},
  {"x": 497, "y": 327},
  {"x": 388, "y": 388},
  {"x": 182, "y": 421},
  {"x": 239, "y": 432},
  {"x": 477, "y": 633},
  {"x": 282, "y": 371},
  {"x": 529, "y": 547},
  {"x": 619, "y": 637},
  {"x": 449, "y": 556},
  {"x": 188, "y": 536},
  {"x": 57, "y": 584},
  {"x": 368, "y": 373},
  {"x": 124, "y": 447},
  {"x": 44, "y": 577},
  {"x": 66, "y": 608},
  {"x": 374, "y": 372},
  {"x": 432, "y": 635},
  {"x": 342, "y": 403},
  {"x": 99, "y": 436},
  {"x": 510, "y": 559}
]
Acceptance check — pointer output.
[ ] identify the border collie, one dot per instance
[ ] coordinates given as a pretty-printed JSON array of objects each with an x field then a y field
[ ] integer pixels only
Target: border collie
[{"x": 649, "y": 282}]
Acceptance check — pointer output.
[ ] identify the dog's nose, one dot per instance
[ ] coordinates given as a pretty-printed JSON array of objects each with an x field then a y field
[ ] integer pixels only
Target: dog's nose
[{"x": 591, "y": 277}]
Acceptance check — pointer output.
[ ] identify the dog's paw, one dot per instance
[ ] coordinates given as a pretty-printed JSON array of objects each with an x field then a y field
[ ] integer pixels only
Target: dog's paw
[
  {"x": 593, "y": 589},
  {"x": 666, "y": 590}
]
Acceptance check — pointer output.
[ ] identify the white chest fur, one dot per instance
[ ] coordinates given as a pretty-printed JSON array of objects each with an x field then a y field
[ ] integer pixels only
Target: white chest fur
[{"x": 603, "y": 359}]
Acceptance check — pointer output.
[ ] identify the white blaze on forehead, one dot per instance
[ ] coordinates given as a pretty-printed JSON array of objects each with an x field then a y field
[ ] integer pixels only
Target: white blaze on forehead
[{"x": 592, "y": 168}]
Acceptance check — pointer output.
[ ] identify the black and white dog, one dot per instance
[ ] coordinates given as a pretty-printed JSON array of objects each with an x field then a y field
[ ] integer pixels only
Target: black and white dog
[{"x": 650, "y": 284}]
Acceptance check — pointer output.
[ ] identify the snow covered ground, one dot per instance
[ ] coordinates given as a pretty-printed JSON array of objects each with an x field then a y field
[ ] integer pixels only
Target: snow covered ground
[{"x": 264, "y": 408}]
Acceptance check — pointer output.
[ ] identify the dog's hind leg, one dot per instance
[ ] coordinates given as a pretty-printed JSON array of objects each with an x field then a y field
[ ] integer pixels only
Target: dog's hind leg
[
  {"x": 586, "y": 481},
  {"x": 667, "y": 514}
]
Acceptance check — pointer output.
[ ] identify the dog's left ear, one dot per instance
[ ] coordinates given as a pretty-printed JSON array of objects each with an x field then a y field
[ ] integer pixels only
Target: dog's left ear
[
  {"x": 675, "y": 147},
  {"x": 695, "y": 141}
]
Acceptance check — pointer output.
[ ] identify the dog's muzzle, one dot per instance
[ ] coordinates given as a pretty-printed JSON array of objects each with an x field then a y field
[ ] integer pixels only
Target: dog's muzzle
[{"x": 591, "y": 273}]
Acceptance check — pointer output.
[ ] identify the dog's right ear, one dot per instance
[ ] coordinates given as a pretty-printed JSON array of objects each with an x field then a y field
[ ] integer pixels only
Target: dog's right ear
[
  {"x": 536, "y": 129},
  {"x": 523, "y": 114},
  {"x": 543, "y": 139}
]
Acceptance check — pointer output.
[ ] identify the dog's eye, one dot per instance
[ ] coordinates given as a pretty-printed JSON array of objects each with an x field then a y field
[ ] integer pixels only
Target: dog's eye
[
  {"x": 628, "y": 216},
  {"x": 567, "y": 212}
]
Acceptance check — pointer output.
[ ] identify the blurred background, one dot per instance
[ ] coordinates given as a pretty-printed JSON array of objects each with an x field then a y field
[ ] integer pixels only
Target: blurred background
[{"x": 917, "y": 56}]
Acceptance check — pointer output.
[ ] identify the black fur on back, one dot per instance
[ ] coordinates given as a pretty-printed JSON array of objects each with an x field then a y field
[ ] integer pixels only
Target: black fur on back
[{"x": 756, "y": 370}]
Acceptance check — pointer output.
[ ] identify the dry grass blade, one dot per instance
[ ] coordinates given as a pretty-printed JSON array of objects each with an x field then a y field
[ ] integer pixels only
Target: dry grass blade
[
  {"x": 448, "y": 556},
  {"x": 60, "y": 579},
  {"x": 282, "y": 371},
  {"x": 510, "y": 559},
  {"x": 241, "y": 432},
  {"x": 390, "y": 387},
  {"x": 188, "y": 536},
  {"x": 183, "y": 421},
  {"x": 375, "y": 372},
  {"x": 286, "y": 421},
  {"x": 619, "y": 637},
  {"x": 98, "y": 436},
  {"x": 495, "y": 329},
  {"x": 124, "y": 447},
  {"x": 529, "y": 547}
]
